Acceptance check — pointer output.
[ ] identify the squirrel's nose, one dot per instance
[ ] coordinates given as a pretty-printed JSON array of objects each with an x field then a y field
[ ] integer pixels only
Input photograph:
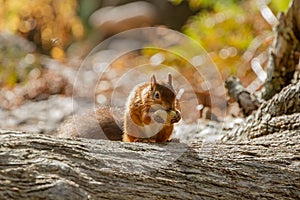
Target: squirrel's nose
[
  {"x": 178, "y": 115},
  {"x": 176, "y": 118}
]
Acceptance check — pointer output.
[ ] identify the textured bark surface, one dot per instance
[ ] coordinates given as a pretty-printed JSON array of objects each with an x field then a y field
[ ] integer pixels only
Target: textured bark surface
[
  {"x": 282, "y": 113},
  {"x": 36, "y": 166},
  {"x": 285, "y": 52}
]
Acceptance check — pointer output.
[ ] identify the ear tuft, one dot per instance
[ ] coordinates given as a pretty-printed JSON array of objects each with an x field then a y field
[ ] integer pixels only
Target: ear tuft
[
  {"x": 153, "y": 81},
  {"x": 170, "y": 79}
]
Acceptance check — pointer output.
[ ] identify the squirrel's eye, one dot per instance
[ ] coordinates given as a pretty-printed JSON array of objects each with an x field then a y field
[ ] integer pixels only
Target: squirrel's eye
[{"x": 156, "y": 95}]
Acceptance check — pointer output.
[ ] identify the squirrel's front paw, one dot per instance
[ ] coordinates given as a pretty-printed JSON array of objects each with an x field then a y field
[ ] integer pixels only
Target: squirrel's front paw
[{"x": 175, "y": 117}]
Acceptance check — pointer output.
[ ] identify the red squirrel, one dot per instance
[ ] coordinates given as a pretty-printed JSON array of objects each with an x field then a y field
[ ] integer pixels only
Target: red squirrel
[{"x": 150, "y": 113}]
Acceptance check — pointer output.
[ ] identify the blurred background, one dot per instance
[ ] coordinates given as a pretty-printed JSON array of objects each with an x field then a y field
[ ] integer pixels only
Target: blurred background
[{"x": 43, "y": 43}]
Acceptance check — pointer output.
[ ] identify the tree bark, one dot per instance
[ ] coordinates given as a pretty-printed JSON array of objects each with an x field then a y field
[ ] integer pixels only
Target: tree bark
[
  {"x": 285, "y": 52},
  {"x": 282, "y": 113},
  {"x": 36, "y": 166}
]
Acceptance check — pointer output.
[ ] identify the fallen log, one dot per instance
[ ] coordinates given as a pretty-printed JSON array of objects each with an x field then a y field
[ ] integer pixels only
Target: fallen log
[{"x": 34, "y": 166}]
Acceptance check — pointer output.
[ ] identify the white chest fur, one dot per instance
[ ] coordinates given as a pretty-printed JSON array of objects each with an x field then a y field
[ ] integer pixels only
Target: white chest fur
[{"x": 152, "y": 129}]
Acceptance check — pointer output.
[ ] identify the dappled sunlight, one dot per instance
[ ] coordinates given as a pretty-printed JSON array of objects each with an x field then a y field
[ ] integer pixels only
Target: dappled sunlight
[{"x": 51, "y": 25}]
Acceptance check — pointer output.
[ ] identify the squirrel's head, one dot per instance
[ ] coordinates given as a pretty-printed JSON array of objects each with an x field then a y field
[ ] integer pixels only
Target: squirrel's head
[
  {"x": 164, "y": 97},
  {"x": 163, "y": 93}
]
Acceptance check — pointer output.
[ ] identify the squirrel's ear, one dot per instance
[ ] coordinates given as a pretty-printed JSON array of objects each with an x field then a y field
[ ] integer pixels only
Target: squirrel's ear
[
  {"x": 153, "y": 81},
  {"x": 170, "y": 79}
]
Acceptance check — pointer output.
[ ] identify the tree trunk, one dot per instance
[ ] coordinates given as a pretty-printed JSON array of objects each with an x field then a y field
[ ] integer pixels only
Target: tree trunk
[
  {"x": 36, "y": 166},
  {"x": 285, "y": 52}
]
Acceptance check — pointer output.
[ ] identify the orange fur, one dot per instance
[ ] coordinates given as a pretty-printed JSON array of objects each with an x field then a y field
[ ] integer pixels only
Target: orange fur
[{"x": 142, "y": 123}]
